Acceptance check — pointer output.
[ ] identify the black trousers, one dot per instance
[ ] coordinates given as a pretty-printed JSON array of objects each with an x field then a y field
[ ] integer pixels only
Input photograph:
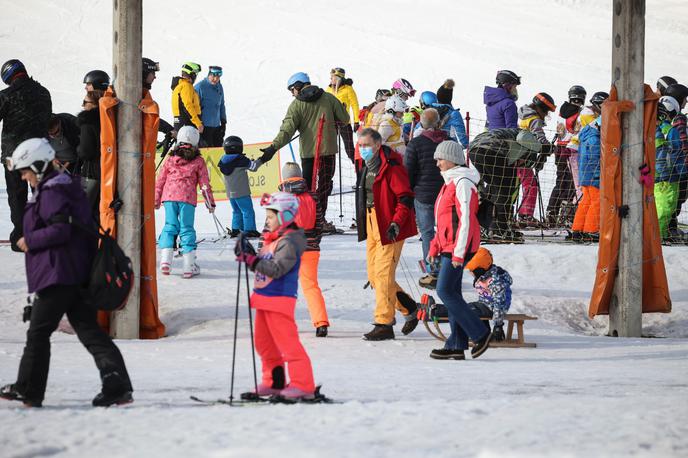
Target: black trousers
[
  {"x": 328, "y": 165},
  {"x": 500, "y": 184},
  {"x": 48, "y": 308},
  {"x": 347, "y": 134},
  {"x": 682, "y": 197},
  {"x": 564, "y": 189},
  {"x": 212, "y": 136},
  {"x": 17, "y": 195}
]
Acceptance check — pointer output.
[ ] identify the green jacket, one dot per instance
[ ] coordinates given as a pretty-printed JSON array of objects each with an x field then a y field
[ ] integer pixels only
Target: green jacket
[{"x": 304, "y": 115}]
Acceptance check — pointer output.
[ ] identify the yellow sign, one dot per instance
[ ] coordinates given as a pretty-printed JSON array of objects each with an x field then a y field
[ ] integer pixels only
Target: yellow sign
[{"x": 264, "y": 180}]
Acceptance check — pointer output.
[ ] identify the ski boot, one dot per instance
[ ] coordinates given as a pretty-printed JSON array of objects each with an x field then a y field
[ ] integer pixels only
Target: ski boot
[
  {"x": 321, "y": 331},
  {"x": 166, "y": 260},
  {"x": 191, "y": 269},
  {"x": 233, "y": 233}
]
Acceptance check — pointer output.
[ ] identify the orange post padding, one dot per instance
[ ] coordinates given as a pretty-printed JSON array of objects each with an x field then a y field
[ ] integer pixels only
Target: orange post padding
[{"x": 655, "y": 287}]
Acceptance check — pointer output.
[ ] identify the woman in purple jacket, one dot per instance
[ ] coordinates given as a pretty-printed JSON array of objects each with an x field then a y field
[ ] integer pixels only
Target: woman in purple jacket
[
  {"x": 500, "y": 101},
  {"x": 58, "y": 263}
]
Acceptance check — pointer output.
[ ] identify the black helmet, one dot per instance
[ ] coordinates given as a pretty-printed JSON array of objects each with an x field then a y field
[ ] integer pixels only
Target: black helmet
[
  {"x": 98, "y": 79},
  {"x": 10, "y": 69},
  {"x": 149, "y": 66},
  {"x": 233, "y": 145},
  {"x": 664, "y": 82},
  {"x": 597, "y": 99},
  {"x": 679, "y": 92},
  {"x": 544, "y": 101},
  {"x": 507, "y": 77},
  {"x": 577, "y": 92}
]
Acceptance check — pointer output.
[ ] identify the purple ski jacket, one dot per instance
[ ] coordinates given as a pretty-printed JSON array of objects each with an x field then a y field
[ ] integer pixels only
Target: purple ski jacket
[
  {"x": 500, "y": 107},
  {"x": 59, "y": 254}
]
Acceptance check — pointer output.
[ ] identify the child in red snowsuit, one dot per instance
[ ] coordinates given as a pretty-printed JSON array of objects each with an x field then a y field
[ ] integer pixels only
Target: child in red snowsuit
[{"x": 274, "y": 298}]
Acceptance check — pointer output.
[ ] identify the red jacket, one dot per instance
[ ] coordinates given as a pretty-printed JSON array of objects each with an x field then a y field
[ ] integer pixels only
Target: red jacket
[
  {"x": 392, "y": 196},
  {"x": 456, "y": 215}
]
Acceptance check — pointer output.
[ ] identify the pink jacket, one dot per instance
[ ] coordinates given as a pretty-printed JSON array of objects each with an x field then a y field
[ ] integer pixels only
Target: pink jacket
[{"x": 178, "y": 179}]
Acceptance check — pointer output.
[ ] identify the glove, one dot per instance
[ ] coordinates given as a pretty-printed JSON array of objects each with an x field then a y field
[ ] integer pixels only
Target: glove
[
  {"x": 223, "y": 128},
  {"x": 249, "y": 259},
  {"x": 645, "y": 178},
  {"x": 267, "y": 154},
  {"x": 356, "y": 126},
  {"x": 255, "y": 165},
  {"x": 26, "y": 316},
  {"x": 243, "y": 245},
  {"x": 393, "y": 232}
]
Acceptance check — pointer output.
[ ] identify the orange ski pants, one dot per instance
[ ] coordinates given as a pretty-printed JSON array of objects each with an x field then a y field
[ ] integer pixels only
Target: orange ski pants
[
  {"x": 277, "y": 342},
  {"x": 308, "y": 277},
  {"x": 587, "y": 217}
]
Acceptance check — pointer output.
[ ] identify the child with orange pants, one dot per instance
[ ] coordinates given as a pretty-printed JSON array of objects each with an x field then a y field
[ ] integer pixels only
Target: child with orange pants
[
  {"x": 274, "y": 298},
  {"x": 586, "y": 223},
  {"x": 310, "y": 219}
]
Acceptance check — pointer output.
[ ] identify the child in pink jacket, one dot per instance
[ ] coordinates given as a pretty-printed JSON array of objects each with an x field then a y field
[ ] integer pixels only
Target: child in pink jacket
[{"x": 175, "y": 188}]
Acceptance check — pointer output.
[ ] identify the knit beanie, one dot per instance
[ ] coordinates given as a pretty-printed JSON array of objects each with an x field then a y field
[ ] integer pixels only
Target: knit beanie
[
  {"x": 291, "y": 170},
  {"x": 450, "y": 151},
  {"x": 446, "y": 92}
]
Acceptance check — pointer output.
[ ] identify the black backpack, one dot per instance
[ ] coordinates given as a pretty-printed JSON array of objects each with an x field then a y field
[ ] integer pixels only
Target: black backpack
[{"x": 112, "y": 275}]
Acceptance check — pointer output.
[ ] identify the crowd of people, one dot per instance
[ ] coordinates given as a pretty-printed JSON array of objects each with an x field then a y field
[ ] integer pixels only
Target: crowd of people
[{"x": 416, "y": 171}]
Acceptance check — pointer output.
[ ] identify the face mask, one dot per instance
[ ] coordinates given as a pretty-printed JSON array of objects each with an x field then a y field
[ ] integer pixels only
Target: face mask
[{"x": 366, "y": 152}]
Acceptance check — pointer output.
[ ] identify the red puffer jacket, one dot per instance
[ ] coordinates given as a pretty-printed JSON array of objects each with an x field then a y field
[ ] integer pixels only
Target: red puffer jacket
[
  {"x": 392, "y": 196},
  {"x": 456, "y": 215}
]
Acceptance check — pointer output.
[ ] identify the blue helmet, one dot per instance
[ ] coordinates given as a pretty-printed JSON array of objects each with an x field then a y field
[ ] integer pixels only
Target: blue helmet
[
  {"x": 297, "y": 78},
  {"x": 427, "y": 98}
]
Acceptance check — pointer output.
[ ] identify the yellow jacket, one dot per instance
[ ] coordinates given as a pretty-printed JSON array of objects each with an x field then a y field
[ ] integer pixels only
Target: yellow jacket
[
  {"x": 346, "y": 94},
  {"x": 186, "y": 104}
]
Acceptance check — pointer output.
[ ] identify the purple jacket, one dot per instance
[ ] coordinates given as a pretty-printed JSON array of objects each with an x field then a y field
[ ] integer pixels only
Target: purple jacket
[
  {"x": 57, "y": 255},
  {"x": 500, "y": 107}
]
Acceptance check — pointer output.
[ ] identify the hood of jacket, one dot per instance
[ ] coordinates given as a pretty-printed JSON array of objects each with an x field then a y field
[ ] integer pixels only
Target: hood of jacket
[
  {"x": 590, "y": 131},
  {"x": 310, "y": 94},
  {"x": 458, "y": 172},
  {"x": 526, "y": 111},
  {"x": 435, "y": 135},
  {"x": 493, "y": 95}
]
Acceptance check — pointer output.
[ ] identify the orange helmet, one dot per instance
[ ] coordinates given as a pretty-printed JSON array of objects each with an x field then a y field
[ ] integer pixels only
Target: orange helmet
[{"x": 481, "y": 260}]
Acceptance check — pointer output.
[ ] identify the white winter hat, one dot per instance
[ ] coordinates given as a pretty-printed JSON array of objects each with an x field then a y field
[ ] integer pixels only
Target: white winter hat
[
  {"x": 451, "y": 151},
  {"x": 188, "y": 134},
  {"x": 291, "y": 170}
]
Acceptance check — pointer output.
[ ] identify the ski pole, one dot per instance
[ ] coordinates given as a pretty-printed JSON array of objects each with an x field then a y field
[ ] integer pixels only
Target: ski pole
[
  {"x": 250, "y": 327},
  {"x": 339, "y": 158},
  {"x": 541, "y": 206},
  {"x": 236, "y": 325}
]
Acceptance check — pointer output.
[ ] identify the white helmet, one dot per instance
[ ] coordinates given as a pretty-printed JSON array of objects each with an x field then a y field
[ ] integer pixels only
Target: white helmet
[
  {"x": 188, "y": 134},
  {"x": 395, "y": 104},
  {"x": 34, "y": 154},
  {"x": 668, "y": 106},
  {"x": 285, "y": 204}
]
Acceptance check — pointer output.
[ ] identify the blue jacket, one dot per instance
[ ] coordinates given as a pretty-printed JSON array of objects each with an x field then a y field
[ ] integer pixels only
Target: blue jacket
[
  {"x": 451, "y": 117},
  {"x": 212, "y": 103},
  {"x": 500, "y": 107},
  {"x": 589, "y": 156},
  {"x": 58, "y": 254},
  {"x": 671, "y": 160}
]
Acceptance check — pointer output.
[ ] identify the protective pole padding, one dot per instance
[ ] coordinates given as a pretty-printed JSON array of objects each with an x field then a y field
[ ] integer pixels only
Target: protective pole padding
[{"x": 655, "y": 286}]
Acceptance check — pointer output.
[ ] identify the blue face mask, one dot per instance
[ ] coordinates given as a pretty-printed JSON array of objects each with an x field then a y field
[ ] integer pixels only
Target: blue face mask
[{"x": 366, "y": 152}]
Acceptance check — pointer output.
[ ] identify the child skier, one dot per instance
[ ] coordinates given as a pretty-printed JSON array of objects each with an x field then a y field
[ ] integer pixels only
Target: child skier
[
  {"x": 234, "y": 165},
  {"x": 274, "y": 298},
  {"x": 175, "y": 188},
  {"x": 493, "y": 285},
  {"x": 310, "y": 219}
]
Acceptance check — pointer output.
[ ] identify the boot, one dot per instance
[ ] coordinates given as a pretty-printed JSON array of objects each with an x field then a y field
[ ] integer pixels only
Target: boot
[
  {"x": 10, "y": 393},
  {"x": 191, "y": 269},
  {"x": 252, "y": 234},
  {"x": 428, "y": 281},
  {"x": 481, "y": 346},
  {"x": 233, "y": 233},
  {"x": 166, "y": 260},
  {"x": 321, "y": 331},
  {"x": 412, "y": 307},
  {"x": 444, "y": 353},
  {"x": 575, "y": 236},
  {"x": 380, "y": 332},
  {"x": 115, "y": 391},
  {"x": 498, "y": 333}
]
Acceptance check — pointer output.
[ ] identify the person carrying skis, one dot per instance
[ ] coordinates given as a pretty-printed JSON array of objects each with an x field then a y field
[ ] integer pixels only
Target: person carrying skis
[
  {"x": 58, "y": 261},
  {"x": 456, "y": 241},
  {"x": 234, "y": 165},
  {"x": 175, "y": 189},
  {"x": 493, "y": 285},
  {"x": 276, "y": 268},
  {"x": 385, "y": 216},
  {"x": 186, "y": 104},
  {"x": 310, "y": 219},
  {"x": 342, "y": 88}
]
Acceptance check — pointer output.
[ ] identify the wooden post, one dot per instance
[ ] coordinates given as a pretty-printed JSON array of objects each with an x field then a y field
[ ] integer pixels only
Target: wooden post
[
  {"x": 127, "y": 33},
  {"x": 628, "y": 61}
]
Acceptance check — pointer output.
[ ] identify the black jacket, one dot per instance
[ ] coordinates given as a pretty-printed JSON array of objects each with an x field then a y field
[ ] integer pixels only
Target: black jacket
[
  {"x": 426, "y": 180},
  {"x": 66, "y": 143},
  {"x": 89, "y": 144},
  {"x": 25, "y": 109}
]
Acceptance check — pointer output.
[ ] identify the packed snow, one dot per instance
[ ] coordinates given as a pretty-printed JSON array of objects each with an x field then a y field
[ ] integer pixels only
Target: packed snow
[{"x": 578, "y": 394}]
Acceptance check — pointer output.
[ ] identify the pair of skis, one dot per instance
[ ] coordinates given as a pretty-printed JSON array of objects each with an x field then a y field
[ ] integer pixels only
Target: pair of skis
[{"x": 253, "y": 399}]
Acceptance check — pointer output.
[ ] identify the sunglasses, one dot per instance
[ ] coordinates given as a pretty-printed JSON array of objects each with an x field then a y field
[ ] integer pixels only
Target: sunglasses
[
  {"x": 86, "y": 102},
  {"x": 215, "y": 71}
]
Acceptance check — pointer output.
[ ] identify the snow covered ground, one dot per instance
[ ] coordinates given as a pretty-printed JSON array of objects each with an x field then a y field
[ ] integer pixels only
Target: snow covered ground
[{"x": 578, "y": 393}]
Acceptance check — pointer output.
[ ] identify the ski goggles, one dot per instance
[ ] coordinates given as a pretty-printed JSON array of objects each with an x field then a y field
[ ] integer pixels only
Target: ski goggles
[
  {"x": 266, "y": 199},
  {"x": 338, "y": 71},
  {"x": 546, "y": 102},
  {"x": 215, "y": 70}
]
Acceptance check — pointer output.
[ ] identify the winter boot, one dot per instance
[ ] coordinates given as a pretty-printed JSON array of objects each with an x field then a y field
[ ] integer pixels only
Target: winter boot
[
  {"x": 445, "y": 353},
  {"x": 166, "y": 260},
  {"x": 321, "y": 331},
  {"x": 191, "y": 269},
  {"x": 380, "y": 332},
  {"x": 114, "y": 392},
  {"x": 293, "y": 393},
  {"x": 10, "y": 393},
  {"x": 481, "y": 346},
  {"x": 498, "y": 333},
  {"x": 412, "y": 307}
]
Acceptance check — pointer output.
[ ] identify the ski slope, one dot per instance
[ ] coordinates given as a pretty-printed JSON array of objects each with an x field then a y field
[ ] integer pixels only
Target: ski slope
[{"x": 578, "y": 394}]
